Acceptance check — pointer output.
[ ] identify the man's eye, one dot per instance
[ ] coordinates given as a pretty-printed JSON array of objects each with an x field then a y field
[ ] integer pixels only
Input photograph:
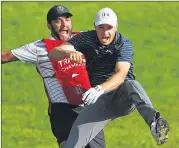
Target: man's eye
[
  {"x": 110, "y": 27},
  {"x": 58, "y": 21}
]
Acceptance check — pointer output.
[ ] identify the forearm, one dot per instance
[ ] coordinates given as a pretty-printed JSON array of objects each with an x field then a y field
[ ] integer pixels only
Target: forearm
[
  {"x": 118, "y": 78},
  {"x": 115, "y": 81},
  {"x": 7, "y": 56},
  {"x": 91, "y": 96},
  {"x": 57, "y": 53},
  {"x": 61, "y": 51}
]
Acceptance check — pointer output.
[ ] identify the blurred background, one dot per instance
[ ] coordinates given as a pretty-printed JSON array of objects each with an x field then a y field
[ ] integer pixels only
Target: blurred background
[{"x": 154, "y": 31}]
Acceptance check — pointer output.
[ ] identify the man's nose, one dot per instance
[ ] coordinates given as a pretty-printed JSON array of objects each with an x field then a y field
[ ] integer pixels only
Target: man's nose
[
  {"x": 63, "y": 23},
  {"x": 106, "y": 32}
]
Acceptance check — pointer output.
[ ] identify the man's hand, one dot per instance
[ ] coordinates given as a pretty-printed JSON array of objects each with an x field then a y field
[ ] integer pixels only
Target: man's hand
[
  {"x": 7, "y": 56},
  {"x": 92, "y": 95},
  {"x": 75, "y": 56}
]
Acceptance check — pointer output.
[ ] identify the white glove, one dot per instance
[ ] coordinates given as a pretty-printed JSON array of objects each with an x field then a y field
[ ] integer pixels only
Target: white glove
[{"x": 92, "y": 95}]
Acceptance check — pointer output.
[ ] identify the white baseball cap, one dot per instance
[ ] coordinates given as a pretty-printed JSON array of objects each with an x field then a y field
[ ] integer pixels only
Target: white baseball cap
[{"x": 106, "y": 16}]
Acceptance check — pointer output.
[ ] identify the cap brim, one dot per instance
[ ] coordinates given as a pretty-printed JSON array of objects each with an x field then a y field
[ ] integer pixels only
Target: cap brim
[
  {"x": 66, "y": 14},
  {"x": 55, "y": 17},
  {"x": 109, "y": 22}
]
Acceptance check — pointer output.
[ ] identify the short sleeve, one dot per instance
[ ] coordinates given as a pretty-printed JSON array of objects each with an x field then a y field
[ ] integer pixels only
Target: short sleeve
[
  {"x": 26, "y": 53},
  {"x": 126, "y": 52},
  {"x": 77, "y": 41}
]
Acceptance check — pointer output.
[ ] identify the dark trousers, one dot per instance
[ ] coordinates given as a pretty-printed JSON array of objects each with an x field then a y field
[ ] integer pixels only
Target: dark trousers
[
  {"x": 62, "y": 117},
  {"x": 117, "y": 103}
]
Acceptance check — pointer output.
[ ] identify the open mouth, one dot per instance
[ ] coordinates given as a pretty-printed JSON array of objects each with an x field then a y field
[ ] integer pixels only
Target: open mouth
[
  {"x": 63, "y": 31},
  {"x": 105, "y": 38}
]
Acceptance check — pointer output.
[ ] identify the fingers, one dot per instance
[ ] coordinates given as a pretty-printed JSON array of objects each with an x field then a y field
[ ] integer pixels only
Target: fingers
[
  {"x": 92, "y": 100},
  {"x": 76, "y": 57},
  {"x": 86, "y": 94},
  {"x": 79, "y": 58},
  {"x": 89, "y": 99}
]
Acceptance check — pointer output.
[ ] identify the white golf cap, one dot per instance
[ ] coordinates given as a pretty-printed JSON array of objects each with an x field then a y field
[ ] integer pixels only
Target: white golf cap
[{"x": 106, "y": 16}]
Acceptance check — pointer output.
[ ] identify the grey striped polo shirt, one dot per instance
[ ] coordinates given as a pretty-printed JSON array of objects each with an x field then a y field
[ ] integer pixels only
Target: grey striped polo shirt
[
  {"x": 37, "y": 54},
  {"x": 101, "y": 59}
]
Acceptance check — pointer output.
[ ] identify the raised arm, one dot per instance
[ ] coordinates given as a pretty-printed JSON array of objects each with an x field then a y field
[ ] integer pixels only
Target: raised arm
[
  {"x": 26, "y": 54},
  {"x": 7, "y": 56}
]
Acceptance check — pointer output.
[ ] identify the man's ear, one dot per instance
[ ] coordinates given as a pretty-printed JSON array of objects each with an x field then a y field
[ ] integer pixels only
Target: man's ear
[{"x": 49, "y": 26}]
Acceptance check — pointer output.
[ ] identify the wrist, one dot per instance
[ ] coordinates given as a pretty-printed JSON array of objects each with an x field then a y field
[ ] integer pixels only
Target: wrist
[{"x": 98, "y": 88}]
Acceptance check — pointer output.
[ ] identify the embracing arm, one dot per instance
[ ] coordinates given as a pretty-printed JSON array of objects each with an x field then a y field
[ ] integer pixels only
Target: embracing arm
[
  {"x": 68, "y": 50},
  {"x": 118, "y": 78},
  {"x": 7, "y": 56},
  {"x": 60, "y": 51}
]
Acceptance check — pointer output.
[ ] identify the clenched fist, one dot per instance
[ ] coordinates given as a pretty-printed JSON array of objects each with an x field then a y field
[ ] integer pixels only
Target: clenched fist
[{"x": 75, "y": 56}]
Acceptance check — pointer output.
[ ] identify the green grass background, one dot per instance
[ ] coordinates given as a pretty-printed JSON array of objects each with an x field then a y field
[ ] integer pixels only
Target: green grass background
[{"x": 154, "y": 31}]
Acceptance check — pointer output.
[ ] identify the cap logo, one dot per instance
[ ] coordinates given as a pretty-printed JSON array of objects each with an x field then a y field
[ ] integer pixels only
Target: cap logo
[
  {"x": 105, "y": 14},
  {"x": 60, "y": 8}
]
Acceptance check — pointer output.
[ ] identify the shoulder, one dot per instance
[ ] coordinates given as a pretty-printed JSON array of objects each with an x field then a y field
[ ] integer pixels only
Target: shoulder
[
  {"x": 126, "y": 40},
  {"x": 85, "y": 36},
  {"x": 34, "y": 46},
  {"x": 90, "y": 33},
  {"x": 38, "y": 43},
  {"x": 126, "y": 44},
  {"x": 122, "y": 38},
  {"x": 123, "y": 43}
]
